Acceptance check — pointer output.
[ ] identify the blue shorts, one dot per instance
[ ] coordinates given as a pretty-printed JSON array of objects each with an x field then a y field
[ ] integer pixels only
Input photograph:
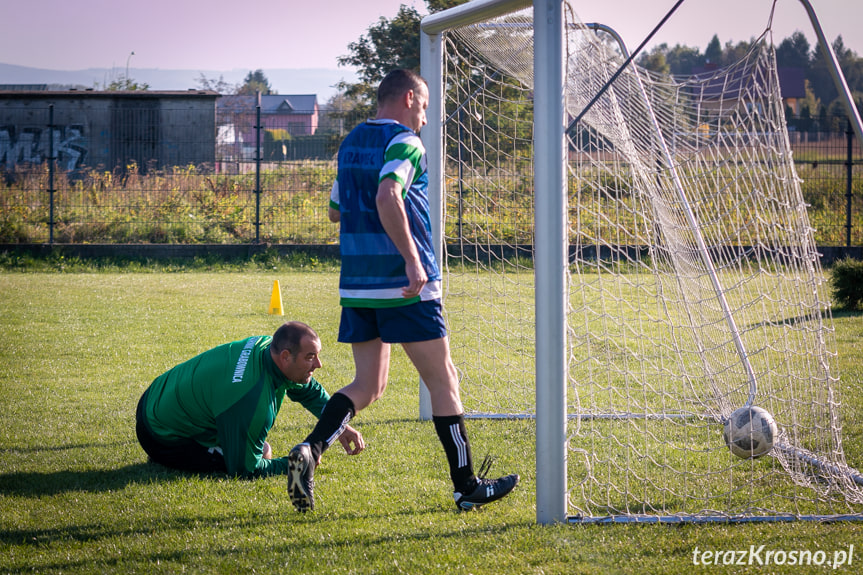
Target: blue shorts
[{"x": 420, "y": 321}]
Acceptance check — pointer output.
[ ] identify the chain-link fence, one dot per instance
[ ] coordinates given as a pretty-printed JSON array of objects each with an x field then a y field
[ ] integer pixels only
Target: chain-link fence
[
  {"x": 830, "y": 164},
  {"x": 162, "y": 170},
  {"x": 237, "y": 170}
]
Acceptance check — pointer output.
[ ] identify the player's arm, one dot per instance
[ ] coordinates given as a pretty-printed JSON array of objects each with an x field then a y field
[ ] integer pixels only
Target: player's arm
[
  {"x": 391, "y": 209},
  {"x": 242, "y": 439},
  {"x": 333, "y": 212},
  {"x": 242, "y": 435}
]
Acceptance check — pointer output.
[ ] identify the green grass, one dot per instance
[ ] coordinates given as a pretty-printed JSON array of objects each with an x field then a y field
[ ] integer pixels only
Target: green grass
[{"x": 80, "y": 344}]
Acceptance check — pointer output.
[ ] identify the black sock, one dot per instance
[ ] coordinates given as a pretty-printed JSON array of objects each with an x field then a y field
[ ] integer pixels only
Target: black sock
[
  {"x": 336, "y": 414},
  {"x": 453, "y": 435}
]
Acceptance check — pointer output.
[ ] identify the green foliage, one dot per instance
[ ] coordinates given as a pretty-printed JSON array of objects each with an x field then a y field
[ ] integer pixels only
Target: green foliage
[
  {"x": 387, "y": 45},
  {"x": 713, "y": 52},
  {"x": 656, "y": 61},
  {"x": 220, "y": 85},
  {"x": 125, "y": 84},
  {"x": 255, "y": 82},
  {"x": 345, "y": 112},
  {"x": 280, "y": 145},
  {"x": 179, "y": 205},
  {"x": 792, "y": 52},
  {"x": 846, "y": 279},
  {"x": 276, "y": 135},
  {"x": 190, "y": 205}
]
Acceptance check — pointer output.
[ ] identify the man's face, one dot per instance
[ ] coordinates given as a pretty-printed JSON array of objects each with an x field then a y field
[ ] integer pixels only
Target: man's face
[
  {"x": 300, "y": 368},
  {"x": 418, "y": 104}
]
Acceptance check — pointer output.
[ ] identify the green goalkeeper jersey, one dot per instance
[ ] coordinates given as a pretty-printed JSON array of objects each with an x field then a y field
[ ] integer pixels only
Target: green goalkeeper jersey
[{"x": 228, "y": 397}]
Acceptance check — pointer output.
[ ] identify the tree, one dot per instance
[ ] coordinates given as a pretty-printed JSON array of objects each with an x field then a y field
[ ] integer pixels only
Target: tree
[
  {"x": 682, "y": 59},
  {"x": 220, "y": 85},
  {"x": 793, "y": 52},
  {"x": 123, "y": 83},
  {"x": 808, "y": 109},
  {"x": 655, "y": 60},
  {"x": 821, "y": 80},
  {"x": 255, "y": 82},
  {"x": 735, "y": 52},
  {"x": 713, "y": 52},
  {"x": 677, "y": 61},
  {"x": 342, "y": 111},
  {"x": 438, "y": 5},
  {"x": 388, "y": 44}
]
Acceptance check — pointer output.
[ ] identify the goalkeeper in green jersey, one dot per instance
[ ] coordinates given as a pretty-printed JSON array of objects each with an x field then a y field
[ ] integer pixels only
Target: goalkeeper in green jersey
[{"x": 212, "y": 413}]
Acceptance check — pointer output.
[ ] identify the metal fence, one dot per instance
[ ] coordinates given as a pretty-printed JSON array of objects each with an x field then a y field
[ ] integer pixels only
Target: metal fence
[
  {"x": 243, "y": 174},
  {"x": 146, "y": 172}
]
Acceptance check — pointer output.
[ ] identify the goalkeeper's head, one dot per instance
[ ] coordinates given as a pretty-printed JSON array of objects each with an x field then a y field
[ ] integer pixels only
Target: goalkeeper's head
[{"x": 296, "y": 349}]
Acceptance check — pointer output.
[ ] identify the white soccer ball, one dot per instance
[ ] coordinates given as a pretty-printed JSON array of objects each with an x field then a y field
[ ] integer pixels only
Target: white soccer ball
[{"x": 750, "y": 432}]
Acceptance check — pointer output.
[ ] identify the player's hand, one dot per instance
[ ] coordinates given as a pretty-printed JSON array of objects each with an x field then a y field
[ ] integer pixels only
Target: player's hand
[
  {"x": 352, "y": 440},
  {"x": 417, "y": 278},
  {"x": 268, "y": 451}
]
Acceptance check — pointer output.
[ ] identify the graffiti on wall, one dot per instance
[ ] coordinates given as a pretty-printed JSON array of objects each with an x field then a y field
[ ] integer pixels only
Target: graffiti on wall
[{"x": 31, "y": 145}]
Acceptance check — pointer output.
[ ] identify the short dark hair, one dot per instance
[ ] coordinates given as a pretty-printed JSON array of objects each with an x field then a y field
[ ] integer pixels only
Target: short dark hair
[
  {"x": 397, "y": 83},
  {"x": 290, "y": 336}
]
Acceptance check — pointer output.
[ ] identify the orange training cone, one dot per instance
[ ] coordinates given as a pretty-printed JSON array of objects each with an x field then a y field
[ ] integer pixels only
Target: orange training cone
[{"x": 276, "y": 300}]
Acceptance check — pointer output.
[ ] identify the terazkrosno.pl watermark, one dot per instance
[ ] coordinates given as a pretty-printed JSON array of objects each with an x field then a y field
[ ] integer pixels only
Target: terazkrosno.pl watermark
[{"x": 761, "y": 555}]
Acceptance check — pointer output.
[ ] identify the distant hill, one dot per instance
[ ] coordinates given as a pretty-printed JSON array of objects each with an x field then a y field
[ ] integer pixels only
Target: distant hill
[{"x": 285, "y": 81}]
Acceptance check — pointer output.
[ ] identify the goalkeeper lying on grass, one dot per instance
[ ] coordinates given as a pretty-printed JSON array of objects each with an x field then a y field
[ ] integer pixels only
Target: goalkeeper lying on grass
[{"x": 212, "y": 413}]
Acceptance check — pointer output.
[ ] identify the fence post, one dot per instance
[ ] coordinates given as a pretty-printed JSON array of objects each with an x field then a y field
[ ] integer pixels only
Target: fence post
[
  {"x": 849, "y": 132},
  {"x": 51, "y": 163},
  {"x": 258, "y": 170}
]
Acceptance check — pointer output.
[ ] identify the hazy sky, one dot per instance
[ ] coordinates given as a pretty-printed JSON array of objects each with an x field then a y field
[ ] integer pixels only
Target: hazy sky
[{"x": 252, "y": 34}]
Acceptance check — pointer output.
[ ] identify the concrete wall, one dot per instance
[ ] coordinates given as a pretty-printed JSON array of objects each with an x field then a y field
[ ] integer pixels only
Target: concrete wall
[{"x": 108, "y": 129}]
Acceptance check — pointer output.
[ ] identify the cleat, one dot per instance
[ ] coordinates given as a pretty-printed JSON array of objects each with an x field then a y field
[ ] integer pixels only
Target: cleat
[
  {"x": 301, "y": 482},
  {"x": 486, "y": 491}
]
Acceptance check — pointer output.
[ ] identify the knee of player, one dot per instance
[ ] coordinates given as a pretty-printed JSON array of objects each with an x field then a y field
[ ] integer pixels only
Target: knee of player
[{"x": 376, "y": 395}]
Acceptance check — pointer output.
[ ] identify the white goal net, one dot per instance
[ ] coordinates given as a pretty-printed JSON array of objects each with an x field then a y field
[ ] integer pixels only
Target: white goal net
[{"x": 695, "y": 286}]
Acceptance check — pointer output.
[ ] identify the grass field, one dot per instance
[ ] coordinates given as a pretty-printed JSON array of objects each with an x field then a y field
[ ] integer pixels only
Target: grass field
[{"x": 78, "y": 496}]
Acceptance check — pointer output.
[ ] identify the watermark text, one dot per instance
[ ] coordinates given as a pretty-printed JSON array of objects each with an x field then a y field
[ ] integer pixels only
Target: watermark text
[{"x": 761, "y": 555}]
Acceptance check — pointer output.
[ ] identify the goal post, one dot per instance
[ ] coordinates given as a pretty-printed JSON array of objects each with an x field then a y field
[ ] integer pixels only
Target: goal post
[
  {"x": 835, "y": 71},
  {"x": 550, "y": 259},
  {"x": 551, "y": 239},
  {"x": 628, "y": 281}
]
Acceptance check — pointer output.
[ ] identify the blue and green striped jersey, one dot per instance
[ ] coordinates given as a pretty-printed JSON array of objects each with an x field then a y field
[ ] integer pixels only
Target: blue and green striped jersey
[{"x": 372, "y": 270}]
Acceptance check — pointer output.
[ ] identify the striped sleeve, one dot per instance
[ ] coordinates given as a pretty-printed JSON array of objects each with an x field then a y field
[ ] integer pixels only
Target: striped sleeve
[
  {"x": 402, "y": 159},
  {"x": 334, "y": 196}
]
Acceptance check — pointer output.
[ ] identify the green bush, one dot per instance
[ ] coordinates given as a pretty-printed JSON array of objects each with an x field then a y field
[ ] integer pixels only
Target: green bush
[{"x": 847, "y": 283}]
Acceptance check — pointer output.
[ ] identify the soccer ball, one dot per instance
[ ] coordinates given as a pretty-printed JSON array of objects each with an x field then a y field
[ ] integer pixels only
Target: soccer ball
[{"x": 750, "y": 432}]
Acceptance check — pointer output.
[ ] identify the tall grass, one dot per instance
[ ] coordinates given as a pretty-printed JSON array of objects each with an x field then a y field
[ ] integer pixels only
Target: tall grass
[
  {"x": 188, "y": 205},
  {"x": 78, "y": 496},
  {"x": 179, "y": 205}
]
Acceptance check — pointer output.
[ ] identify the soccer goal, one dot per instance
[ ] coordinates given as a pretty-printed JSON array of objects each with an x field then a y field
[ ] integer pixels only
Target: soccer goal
[{"x": 628, "y": 261}]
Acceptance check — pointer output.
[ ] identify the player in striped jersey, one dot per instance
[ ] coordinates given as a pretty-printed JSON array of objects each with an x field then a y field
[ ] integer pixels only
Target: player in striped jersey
[{"x": 390, "y": 288}]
